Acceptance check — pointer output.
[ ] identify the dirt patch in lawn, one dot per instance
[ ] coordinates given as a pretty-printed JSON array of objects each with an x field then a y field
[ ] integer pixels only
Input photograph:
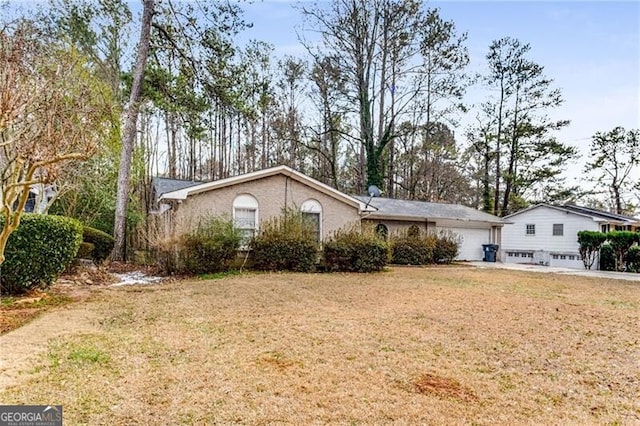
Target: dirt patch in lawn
[
  {"x": 431, "y": 384},
  {"x": 408, "y": 346}
]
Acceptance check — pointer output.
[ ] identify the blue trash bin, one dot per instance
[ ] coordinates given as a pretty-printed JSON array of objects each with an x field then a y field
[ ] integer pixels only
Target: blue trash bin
[{"x": 490, "y": 251}]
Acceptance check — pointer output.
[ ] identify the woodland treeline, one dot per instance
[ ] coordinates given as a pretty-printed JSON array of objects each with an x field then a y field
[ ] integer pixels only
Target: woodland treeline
[{"x": 376, "y": 99}]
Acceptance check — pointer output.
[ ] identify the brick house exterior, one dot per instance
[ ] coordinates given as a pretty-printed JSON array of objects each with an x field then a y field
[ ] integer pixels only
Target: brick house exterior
[{"x": 250, "y": 198}]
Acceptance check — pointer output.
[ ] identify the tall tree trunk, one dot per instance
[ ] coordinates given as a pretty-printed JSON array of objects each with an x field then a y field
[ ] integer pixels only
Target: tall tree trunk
[
  {"x": 129, "y": 134},
  {"x": 496, "y": 194},
  {"x": 486, "y": 191},
  {"x": 617, "y": 198},
  {"x": 513, "y": 154}
]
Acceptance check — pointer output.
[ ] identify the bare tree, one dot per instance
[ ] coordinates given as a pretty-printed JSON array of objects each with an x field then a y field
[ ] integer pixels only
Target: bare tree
[
  {"x": 52, "y": 111},
  {"x": 375, "y": 41}
]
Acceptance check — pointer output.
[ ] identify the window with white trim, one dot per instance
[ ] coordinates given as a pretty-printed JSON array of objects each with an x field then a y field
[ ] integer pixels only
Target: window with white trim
[
  {"x": 312, "y": 214},
  {"x": 530, "y": 229},
  {"x": 558, "y": 229},
  {"x": 245, "y": 217}
]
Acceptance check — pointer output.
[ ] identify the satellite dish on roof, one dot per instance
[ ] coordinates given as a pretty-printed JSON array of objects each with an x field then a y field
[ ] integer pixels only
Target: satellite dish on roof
[{"x": 374, "y": 191}]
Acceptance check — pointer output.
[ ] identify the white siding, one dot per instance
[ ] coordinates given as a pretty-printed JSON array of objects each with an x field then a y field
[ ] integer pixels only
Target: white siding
[{"x": 514, "y": 237}]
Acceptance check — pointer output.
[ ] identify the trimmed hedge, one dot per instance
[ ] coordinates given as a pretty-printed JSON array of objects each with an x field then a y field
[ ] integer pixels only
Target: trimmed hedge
[
  {"x": 85, "y": 251},
  {"x": 355, "y": 250},
  {"x": 38, "y": 251},
  {"x": 607, "y": 258},
  {"x": 407, "y": 249},
  {"x": 102, "y": 243},
  {"x": 621, "y": 242},
  {"x": 632, "y": 259},
  {"x": 284, "y": 254},
  {"x": 590, "y": 243},
  {"x": 285, "y": 243}
]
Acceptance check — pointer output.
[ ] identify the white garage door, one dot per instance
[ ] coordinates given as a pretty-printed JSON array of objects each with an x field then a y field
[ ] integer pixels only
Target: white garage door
[
  {"x": 566, "y": 261},
  {"x": 473, "y": 239}
]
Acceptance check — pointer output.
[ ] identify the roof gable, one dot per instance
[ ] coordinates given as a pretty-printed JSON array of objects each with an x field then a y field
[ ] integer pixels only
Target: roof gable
[{"x": 183, "y": 193}]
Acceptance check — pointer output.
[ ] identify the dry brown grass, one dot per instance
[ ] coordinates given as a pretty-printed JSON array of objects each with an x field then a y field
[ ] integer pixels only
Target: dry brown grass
[
  {"x": 15, "y": 311},
  {"x": 408, "y": 346}
]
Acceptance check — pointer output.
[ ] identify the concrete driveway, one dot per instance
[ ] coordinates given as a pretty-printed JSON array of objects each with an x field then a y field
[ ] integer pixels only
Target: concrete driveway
[{"x": 566, "y": 271}]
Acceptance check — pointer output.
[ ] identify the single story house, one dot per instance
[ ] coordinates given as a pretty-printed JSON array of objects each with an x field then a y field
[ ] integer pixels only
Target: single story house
[
  {"x": 252, "y": 197},
  {"x": 548, "y": 235}
]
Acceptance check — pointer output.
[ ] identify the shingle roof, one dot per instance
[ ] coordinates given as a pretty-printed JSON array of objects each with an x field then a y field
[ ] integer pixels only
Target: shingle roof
[
  {"x": 601, "y": 213},
  {"x": 390, "y": 207},
  {"x": 595, "y": 214},
  {"x": 163, "y": 185}
]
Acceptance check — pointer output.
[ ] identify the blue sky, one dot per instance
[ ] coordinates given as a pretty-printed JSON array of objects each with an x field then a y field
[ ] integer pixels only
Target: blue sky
[{"x": 590, "y": 48}]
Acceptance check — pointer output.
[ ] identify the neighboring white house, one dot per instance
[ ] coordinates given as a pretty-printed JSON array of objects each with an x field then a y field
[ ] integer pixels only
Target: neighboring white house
[
  {"x": 548, "y": 235},
  {"x": 40, "y": 198}
]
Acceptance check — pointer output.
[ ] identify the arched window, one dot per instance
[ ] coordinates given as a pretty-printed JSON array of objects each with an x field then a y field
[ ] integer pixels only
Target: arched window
[
  {"x": 382, "y": 231},
  {"x": 312, "y": 213},
  {"x": 245, "y": 217}
]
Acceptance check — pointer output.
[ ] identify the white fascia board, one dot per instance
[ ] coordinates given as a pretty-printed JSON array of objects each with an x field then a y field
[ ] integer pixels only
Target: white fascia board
[
  {"x": 182, "y": 194},
  {"x": 558, "y": 208}
]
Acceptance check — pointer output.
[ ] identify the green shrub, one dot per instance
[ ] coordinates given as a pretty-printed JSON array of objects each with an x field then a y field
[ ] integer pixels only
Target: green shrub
[
  {"x": 447, "y": 246},
  {"x": 355, "y": 249},
  {"x": 620, "y": 242},
  {"x": 38, "y": 251},
  {"x": 607, "y": 258},
  {"x": 210, "y": 248},
  {"x": 590, "y": 242},
  {"x": 409, "y": 249},
  {"x": 85, "y": 251},
  {"x": 632, "y": 259},
  {"x": 103, "y": 243},
  {"x": 285, "y": 243}
]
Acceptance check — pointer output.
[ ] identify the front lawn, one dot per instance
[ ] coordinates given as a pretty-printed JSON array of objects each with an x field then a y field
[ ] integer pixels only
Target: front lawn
[{"x": 408, "y": 346}]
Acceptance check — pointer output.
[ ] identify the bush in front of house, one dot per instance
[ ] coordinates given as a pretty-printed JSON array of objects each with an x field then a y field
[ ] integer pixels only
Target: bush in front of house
[
  {"x": 607, "y": 258},
  {"x": 410, "y": 249},
  {"x": 590, "y": 243},
  {"x": 355, "y": 249},
  {"x": 210, "y": 248},
  {"x": 85, "y": 251},
  {"x": 38, "y": 251},
  {"x": 621, "y": 242},
  {"x": 102, "y": 244},
  {"x": 285, "y": 243},
  {"x": 632, "y": 259},
  {"x": 447, "y": 247}
]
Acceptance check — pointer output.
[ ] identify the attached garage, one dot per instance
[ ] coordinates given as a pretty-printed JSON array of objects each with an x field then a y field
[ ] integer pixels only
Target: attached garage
[
  {"x": 475, "y": 227},
  {"x": 472, "y": 241}
]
